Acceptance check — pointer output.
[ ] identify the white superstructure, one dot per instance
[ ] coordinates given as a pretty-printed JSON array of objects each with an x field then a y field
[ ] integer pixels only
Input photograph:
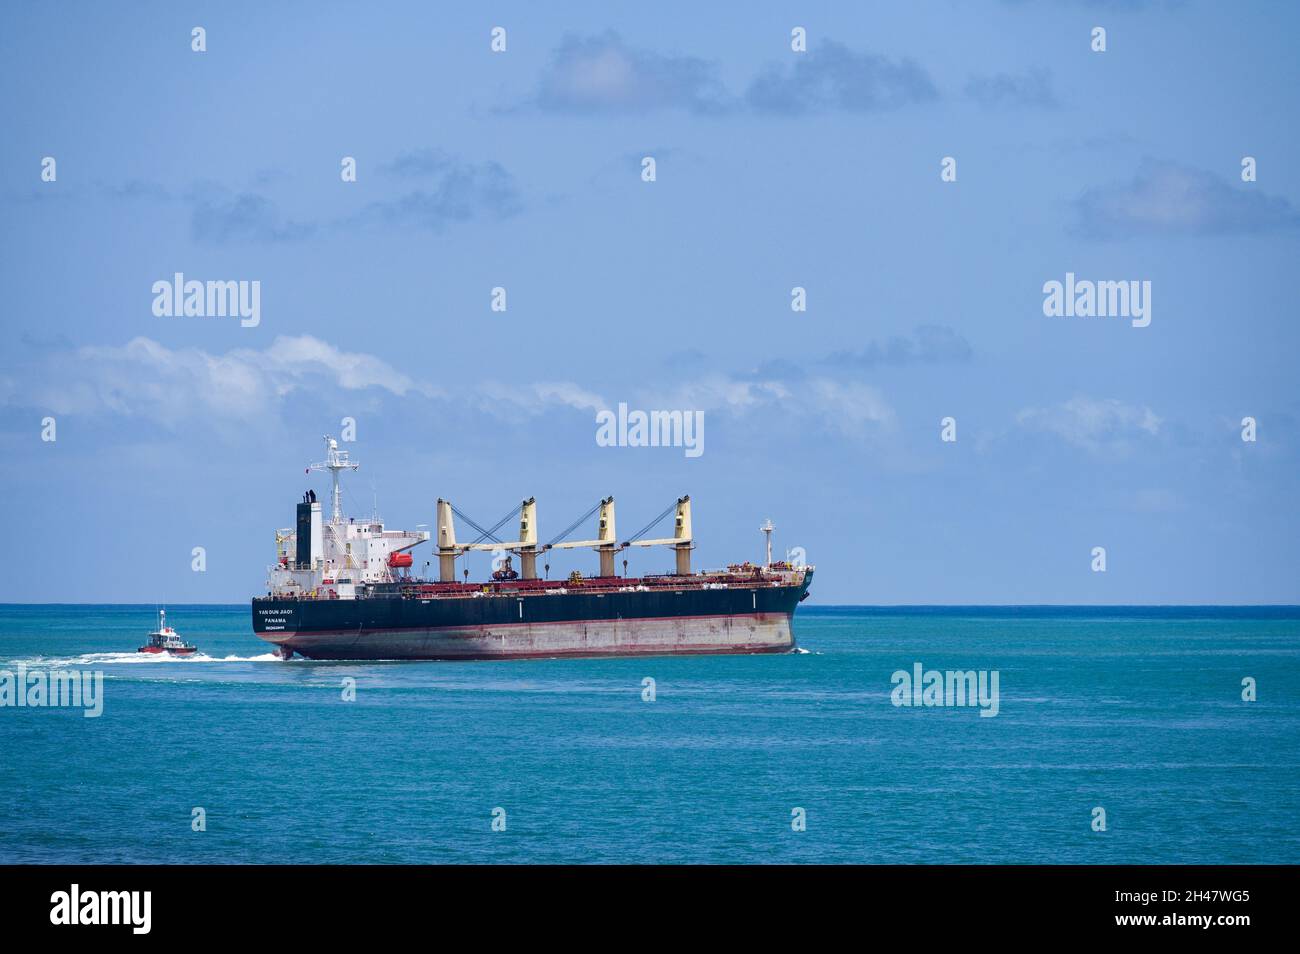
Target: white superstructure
[{"x": 334, "y": 556}]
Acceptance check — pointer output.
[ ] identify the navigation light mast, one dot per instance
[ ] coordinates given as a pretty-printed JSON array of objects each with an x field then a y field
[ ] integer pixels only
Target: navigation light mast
[{"x": 335, "y": 461}]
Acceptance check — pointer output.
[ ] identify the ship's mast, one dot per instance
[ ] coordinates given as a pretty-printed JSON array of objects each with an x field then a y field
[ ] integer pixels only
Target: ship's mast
[
  {"x": 335, "y": 461},
  {"x": 767, "y": 529}
]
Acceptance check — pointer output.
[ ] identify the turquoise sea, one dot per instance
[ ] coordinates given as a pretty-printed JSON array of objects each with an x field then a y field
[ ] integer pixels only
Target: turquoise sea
[{"x": 1138, "y": 711}]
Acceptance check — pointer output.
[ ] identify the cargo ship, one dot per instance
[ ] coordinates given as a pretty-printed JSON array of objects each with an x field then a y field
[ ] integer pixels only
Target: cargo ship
[{"x": 344, "y": 589}]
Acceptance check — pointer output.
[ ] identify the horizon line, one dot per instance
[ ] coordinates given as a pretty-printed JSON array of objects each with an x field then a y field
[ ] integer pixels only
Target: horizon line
[{"x": 1296, "y": 606}]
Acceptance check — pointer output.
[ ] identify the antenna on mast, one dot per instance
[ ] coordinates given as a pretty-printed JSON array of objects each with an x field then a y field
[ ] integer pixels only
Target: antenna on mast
[
  {"x": 767, "y": 529},
  {"x": 335, "y": 461}
]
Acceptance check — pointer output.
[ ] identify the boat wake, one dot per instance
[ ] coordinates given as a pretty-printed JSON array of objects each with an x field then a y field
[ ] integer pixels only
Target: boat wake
[{"x": 128, "y": 658}]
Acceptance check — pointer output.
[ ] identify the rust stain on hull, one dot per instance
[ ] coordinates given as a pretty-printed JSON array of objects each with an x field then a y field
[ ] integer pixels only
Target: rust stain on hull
[{"x": 756, "y": 633}]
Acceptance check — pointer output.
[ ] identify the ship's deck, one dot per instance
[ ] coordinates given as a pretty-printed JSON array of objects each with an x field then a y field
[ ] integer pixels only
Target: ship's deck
[{"x": 418, "y": 589}]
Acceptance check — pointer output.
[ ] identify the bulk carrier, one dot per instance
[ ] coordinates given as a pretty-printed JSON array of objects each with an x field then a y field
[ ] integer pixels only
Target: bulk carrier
[{"x": 343, "y": 589}]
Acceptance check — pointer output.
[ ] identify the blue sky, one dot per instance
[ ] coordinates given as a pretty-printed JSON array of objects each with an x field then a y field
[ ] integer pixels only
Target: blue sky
[{"x": 775, "y": 169}]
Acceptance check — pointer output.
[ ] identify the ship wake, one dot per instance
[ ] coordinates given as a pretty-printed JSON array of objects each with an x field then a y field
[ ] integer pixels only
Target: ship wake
[{"x": 131, "y": 658}]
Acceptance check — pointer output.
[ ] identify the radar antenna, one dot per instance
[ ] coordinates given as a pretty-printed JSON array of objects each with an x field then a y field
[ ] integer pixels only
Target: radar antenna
[{"x": 334, "y": 462}]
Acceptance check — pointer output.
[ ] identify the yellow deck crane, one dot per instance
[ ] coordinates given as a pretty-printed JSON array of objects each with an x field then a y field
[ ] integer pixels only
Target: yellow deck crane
[
  {"x": 525, "y": 546},
  {"x": 605, "y": 544},
  {"x": 679, "y": 541}
]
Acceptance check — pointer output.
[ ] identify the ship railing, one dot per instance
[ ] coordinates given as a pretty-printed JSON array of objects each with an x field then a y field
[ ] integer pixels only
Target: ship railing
[
  {"x": 294, "y": 595},
  {"x": 590, "y": 585},
  {"x": 428, "y": 589}
]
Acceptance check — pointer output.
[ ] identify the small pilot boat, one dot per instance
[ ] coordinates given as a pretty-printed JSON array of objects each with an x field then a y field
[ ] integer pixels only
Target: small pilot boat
[{"x": 167, "y": 640}]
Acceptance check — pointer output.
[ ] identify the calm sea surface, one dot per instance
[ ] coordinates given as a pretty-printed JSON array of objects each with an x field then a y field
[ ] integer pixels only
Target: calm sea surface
[{"x": 1137, "y": 711}]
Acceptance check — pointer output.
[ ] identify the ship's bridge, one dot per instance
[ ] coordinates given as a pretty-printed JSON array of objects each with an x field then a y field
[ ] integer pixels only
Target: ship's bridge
[{"x": 316, "y": 556}]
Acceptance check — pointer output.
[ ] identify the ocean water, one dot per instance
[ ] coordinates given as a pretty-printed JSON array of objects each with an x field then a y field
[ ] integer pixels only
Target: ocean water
[{"x": 1136, "y": 711}]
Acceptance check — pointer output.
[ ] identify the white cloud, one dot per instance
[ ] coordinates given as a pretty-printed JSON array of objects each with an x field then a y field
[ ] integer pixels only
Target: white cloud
[
  {"x": 568, "y": 394},
  {"x": 1092, "y": 423},
  {"x": 852, "y": 408},
  {"x": 716, "y": 392},
  {"x": 846, "y": 406},
  {"x": 603, "y": 74},
  {"x": 1169, "y": 198},
  {"x": 184, "y": 387},
  {"x": 509, "y": 400},
  {"x": 304, "y": 355},
  {"x": 145, "y": 378}
]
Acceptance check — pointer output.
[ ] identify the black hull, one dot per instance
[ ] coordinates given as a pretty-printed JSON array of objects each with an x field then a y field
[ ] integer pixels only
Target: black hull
[{"x": 507, "y": 625}]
